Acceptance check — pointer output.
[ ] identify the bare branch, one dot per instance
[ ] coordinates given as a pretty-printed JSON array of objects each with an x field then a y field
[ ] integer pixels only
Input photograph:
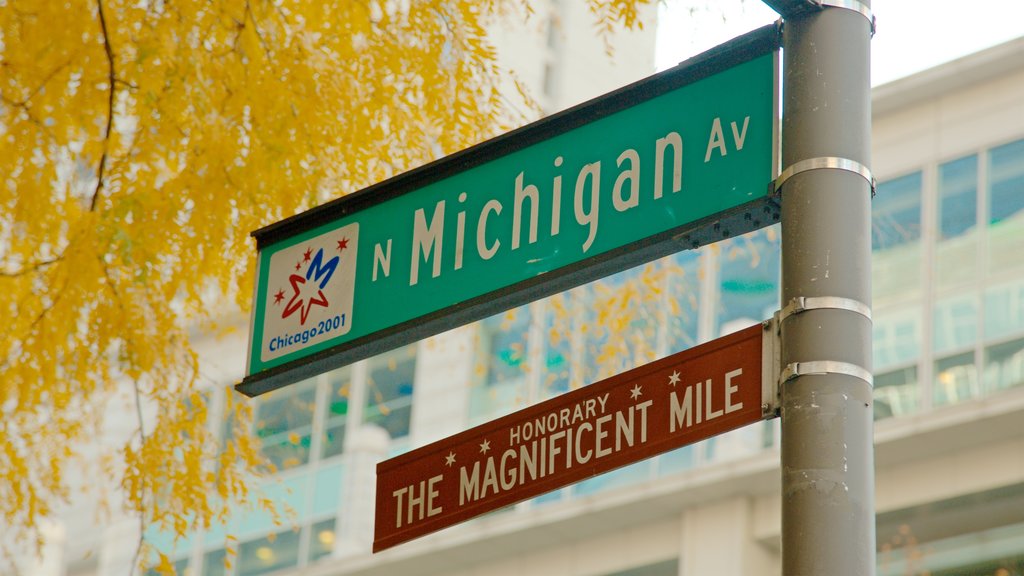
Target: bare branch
[{"x": 111, "y": 82}]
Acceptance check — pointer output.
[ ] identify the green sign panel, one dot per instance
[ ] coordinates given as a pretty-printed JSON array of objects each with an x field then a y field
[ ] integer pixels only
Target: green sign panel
[{"x": 682, "y": 158}]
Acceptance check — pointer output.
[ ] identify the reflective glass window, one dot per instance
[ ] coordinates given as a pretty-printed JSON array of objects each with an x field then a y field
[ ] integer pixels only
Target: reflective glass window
[
  {"x": 339, "y": 389},
  {"x": 956, "y": 323},
  {"x": 897, "y": 336},
  {"x": 1006, "y": 207},
  {"x": 501, "y": 364},
  {"x": 1004, "y": 365},
  {"x": 1006, "y": 183},
  {"x": 213, "y": 563},
  {"x": 321, "y": 540},
  {"x": 283, "y": 421},
  {"x": 268, "y": 554},
  {"x": 749, "y": 276},
  {"x": 956, "y": 379},
  {"x": 958, "y": 197},
  {"x": 389, "y": 388},
  {"x": 896, "y": 393},
  {"x": 559, "y": 326},
  {"x": 896, "y": 212},
  {"x": 684, "y": 273},
  {"x": 1004, "y": 310},
  {"x": 895, "y": 239}
]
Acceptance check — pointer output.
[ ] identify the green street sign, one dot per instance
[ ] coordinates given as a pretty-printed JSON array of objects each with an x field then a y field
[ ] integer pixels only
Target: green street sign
[{"x": 680, "y": 159}]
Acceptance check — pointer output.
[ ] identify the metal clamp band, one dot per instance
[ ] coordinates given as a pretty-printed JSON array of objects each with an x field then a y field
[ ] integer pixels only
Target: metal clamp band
[
  {"x": 802, "y": 304},
  {"x": 820, "y": 367},
  {"x": 826, "y": 162},
  {"x": 854, "y": 5}
]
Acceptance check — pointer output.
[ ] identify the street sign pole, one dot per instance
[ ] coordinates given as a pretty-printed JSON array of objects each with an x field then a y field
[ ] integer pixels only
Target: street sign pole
[{"x": 828, "y": 520}]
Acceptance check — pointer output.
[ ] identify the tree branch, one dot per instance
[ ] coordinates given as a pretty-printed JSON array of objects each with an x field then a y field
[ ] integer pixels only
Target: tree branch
[
  {"x": 29, "y": 269},
  {"x": 111, "y": 83}
]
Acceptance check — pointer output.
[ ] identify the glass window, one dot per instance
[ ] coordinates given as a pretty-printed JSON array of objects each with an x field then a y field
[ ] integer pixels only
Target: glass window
[
  {"x": 677, "y": 460},
  {"x": 956, "y": 323},
  {"x": 621, "y": 331},
  {"x": 340, "y": 386},
  {"x": 284, "y": 423},
  {"x": 958, "y": 197},
  {"x": 268, "y": 554},
  {"x": 501, "y": 364},
  {"x": 895, "y": 239},
  {"x": 624, "y": 476},
  {"x": 896, "y": 393},
  {"x": 213, "y": 563},
  {"x": 1006, "y": 183},
  {"x": 684, "y": 273},
  {"x": 956, "y": 379},
  {"x": 956, "y": 255},
  {"x": 896, "y": 212},
  {"x": 1004, "y": 310},
  {"x": 389, "y": 391},
  {"x": 558, "y": 332},
  {"x": 749, "y": 269},
  {"x": 897, "y": 336},
  {"x": 1006, "y": 207},
  {"x": 1004, "y": 365},
  {"x": 322, "y": 537}
]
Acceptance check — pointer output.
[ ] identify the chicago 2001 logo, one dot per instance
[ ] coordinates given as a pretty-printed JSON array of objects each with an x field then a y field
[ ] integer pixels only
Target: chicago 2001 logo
[{"x": 309, "y": 292}]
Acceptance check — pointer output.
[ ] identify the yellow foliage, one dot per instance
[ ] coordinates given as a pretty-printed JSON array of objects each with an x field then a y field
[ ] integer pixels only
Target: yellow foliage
[{"x": 140, "y": 143}]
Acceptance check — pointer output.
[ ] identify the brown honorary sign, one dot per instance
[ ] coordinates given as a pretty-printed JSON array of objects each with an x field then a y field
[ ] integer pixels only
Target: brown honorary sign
[{"x": 676, "y": 401}]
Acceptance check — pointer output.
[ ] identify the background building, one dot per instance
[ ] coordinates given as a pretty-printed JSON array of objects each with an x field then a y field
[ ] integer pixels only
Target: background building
[{"x": 948, "y": 241}]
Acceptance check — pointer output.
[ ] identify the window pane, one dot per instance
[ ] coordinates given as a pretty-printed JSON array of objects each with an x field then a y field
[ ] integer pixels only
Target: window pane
[
  {"x": 625, "y": 476},
  {"x": 895, "y": 239},
  {"x": 956, "y": 323},
  {"x": 321, "y": 542},
  {"x": 1004, "y": 310},
  {"x": 558, "y": 328},
  {"x": 958, "y": 197},
  {"x": 956, "y": 379},
  {"x": 897, "y": 336},
  {"x": 622, "y": 321},
  {"x": 1006, "y": 207},
  {"x": 213, "y": 563},
  {"x": 896, "y": 393},
  {"x": 389, "y": 391},
  {"x": 749, "y": 268},
  {"x": 283, "y": 422},
  {"x": 340, "y": 385},
  {"x": 896, "y": 212},
  {"x": 683, "y": 299},
  {"x": 268, "y": 554},
  {"x": 1006, "y": 183},
  {"x": 1004, "y": 365},
  {"x": 500, "y": 366}
]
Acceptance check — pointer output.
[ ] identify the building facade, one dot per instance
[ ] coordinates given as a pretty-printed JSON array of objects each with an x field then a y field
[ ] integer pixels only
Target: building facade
[{"x": 948, "y": 257}]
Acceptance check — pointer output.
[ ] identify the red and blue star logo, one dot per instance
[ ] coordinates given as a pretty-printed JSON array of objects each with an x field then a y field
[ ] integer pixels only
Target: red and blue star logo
[{"x": 307, "y": 289}]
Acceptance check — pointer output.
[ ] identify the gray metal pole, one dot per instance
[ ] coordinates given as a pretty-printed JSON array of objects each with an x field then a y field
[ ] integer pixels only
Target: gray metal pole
[{"x": 828, "y": 517}]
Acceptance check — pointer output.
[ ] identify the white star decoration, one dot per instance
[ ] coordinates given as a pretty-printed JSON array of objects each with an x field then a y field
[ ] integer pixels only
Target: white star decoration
[
  {"x": 674, "y": 378},
  {"x": 485, "y": 446},
  {"x": 635, "y": 392},
  {"x": 449, "y": 459}
]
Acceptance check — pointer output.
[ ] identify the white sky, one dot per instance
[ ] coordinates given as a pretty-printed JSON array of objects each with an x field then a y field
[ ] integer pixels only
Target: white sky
[{"x": 912, "y": 35}]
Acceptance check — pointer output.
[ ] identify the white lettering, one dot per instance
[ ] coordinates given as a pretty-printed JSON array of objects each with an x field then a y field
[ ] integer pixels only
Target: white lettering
[
  {"x": 588, "y": 219},
  {"x": 633, "y": 175},
  {"x": 382, "y": 259},
  {"x": 517, "y": 210},
  {"x": 716, "y": 140},
  {"x": 481, "y": 231},
  {"x": 429, "y": 235}
]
